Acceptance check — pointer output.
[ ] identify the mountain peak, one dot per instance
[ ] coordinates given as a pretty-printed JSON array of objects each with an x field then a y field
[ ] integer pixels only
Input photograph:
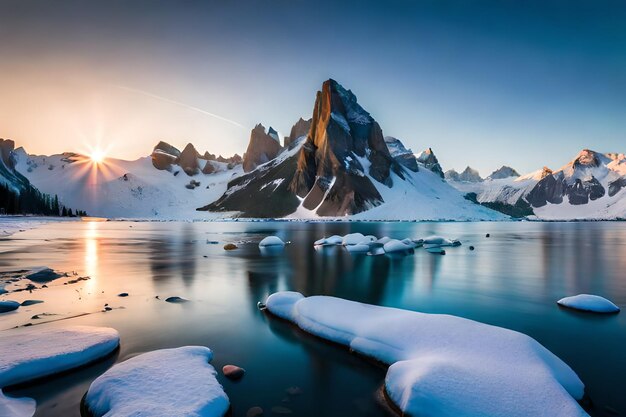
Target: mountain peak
[
  {"x": 503, "y": 172},
  {"x": 263, "y": 147}
]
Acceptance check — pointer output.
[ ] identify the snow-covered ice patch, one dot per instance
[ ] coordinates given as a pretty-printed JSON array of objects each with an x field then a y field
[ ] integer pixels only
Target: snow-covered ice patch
[
  {"x": 167, "y": 382},
  {"x": 588, "y": 302},
  {"x": 32, "y": 353},
  {"x": 438, "y": 241},
  {"x": 397, "y": 246},
  {"x": 271, "y": 241},
  {"x": 442, "y": 365},
  {"x": 329, "y": 241}
]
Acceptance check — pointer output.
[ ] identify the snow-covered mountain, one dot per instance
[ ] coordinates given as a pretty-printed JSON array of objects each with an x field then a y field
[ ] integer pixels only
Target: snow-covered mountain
[
  {"x": 591, "y": 186},
  {"x": 145, "y": 188},
  {"x": 345, "y": 167},
  {"x": 469, "y": 174}
]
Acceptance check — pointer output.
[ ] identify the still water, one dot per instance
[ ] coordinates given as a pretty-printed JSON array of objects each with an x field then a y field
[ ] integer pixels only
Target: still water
[{"x": 512, "y": 279}]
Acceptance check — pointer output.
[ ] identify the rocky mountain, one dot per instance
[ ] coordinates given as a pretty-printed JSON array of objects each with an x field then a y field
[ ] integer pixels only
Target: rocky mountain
[
  {"x": 591, "y": 186},
  {"x": 343, "y": 167},
  {"x": 402, "y": 155},
  {"x": 299, "y": 129},
  {"x": 503, "y": 172},
  {"x": 429, "y": 160},
  {"x": 166, "y": 157},
  {"x": 468, "y": 175},
  {"x": 263, "y": 147}
]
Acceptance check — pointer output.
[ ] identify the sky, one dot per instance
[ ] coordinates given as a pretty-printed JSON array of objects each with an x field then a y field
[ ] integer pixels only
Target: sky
[{"x": 483, "y": 83}]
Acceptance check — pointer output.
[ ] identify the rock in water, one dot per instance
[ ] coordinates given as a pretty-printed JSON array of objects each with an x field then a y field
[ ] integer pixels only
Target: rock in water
[
  {"x": 254, "y": 412},
  {"x": 8, "y": 305},
  {"x": 233, "y": 372},
  {"x": 230, "y": 246},
  {"x": 590, "y": 303},
  {"x": 43, "y": 275},
  {"x": 27, "y": 303},
  {"x": 176, "y": 300}
]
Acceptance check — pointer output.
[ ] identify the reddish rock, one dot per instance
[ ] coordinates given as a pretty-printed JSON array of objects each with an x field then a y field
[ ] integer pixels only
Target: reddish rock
[{"x": 233, "y": 372}]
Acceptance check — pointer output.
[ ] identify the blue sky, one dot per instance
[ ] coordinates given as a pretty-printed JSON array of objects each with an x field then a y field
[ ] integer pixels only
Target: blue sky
[{"x": 484, "y": 83}]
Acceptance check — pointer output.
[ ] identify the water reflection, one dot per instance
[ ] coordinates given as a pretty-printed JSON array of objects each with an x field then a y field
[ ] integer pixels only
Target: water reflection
[{"x": 512, "y": 279}]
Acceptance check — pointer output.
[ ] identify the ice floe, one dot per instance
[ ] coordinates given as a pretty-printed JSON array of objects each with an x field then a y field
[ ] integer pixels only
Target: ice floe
[
  {"x": 271, "y": 241},
  {"x": 29, "y": 354},
  {"x": 167, "y": 382},
  {"x": 329, "y": 241},
  {"x": 434, "y": 241},
  {"x": 588, "y": 302},
  {"x": 35, "y": 352},
  {"x": 397, "y": 246},
  {"x": 442, "y": 365}
]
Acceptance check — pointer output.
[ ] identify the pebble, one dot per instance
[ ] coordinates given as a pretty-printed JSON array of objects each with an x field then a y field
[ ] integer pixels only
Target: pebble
[
  {"x": 123, "y": 294},
  {"x": 233, "y": 372},
  {"x": 176, "y": 300},
  {"x": 254, "y": 412}
]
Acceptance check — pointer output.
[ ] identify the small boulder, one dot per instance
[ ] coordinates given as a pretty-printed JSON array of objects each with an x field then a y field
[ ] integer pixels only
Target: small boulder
[
  {"x": 233, "y": 372},
  {"x": 123, "y": 294},
  {"x": 230, "y": 246},
  {"x": 8, "y": 305},
  {"x": 254, "y": 412},
  {"x": 176, "y": 299},
  {"x": 26, "y": 303}
]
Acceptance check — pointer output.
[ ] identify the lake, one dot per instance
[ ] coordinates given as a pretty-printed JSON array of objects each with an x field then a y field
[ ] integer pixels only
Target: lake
[{"x": 512, "y": 279}]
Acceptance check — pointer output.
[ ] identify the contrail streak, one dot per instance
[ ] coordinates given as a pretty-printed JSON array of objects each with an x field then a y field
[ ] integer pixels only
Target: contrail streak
[{"x": 178, "y": 103}]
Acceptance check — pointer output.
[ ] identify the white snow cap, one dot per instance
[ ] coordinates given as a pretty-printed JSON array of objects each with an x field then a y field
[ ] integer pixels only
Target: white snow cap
[
  {"x": 442, "y": 365},
  {"x": 588, "y": 302},
  {"x": 161, "y": 383},
  {"x": 31, "y": 353},
  {"x": 271, "y": 241}
]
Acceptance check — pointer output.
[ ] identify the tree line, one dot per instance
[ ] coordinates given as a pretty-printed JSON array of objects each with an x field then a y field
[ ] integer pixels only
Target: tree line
[{"x": 32, "y": 201}]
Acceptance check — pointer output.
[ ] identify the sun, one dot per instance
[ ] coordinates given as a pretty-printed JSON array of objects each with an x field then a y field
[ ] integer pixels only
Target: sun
[{"x": 97, "y": 156}]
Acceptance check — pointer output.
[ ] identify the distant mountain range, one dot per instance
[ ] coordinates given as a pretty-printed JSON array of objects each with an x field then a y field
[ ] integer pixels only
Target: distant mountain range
[{"x": 337, "y": 164}]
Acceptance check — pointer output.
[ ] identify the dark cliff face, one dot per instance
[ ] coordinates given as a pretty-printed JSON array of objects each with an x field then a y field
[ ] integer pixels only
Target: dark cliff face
[
  {"x": 329, "y": 175},
  {"x": 328, "y": 172},
  {"x": 263, "y": 147}
]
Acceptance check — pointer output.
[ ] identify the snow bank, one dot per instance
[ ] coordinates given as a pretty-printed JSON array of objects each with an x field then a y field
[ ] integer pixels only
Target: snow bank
[
  {"x": 31, "y": 353},
  {"x": 587, "y": 302},
  {"x": 16, "y": 407},
  {"x": 271, "y": 241},
  {"x": 441, "y": 365},
  {"x": 438, "y": 241},
  {"x": 396, "y": 246},
  {"x": 329, "y": 241},
  {"x": 168, "y": 382}
]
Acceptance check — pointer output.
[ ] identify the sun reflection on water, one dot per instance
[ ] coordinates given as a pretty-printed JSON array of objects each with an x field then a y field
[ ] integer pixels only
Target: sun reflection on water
[{"x": 91, "y": 253}]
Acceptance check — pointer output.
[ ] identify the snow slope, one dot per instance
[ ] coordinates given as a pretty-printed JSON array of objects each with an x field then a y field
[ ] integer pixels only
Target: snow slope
[
  {"x": 441, "y": 365},
  {"x": 123, "y": 189},
  {"x": 167, "y": 382},
  {"x": 424, "y": 195}
]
